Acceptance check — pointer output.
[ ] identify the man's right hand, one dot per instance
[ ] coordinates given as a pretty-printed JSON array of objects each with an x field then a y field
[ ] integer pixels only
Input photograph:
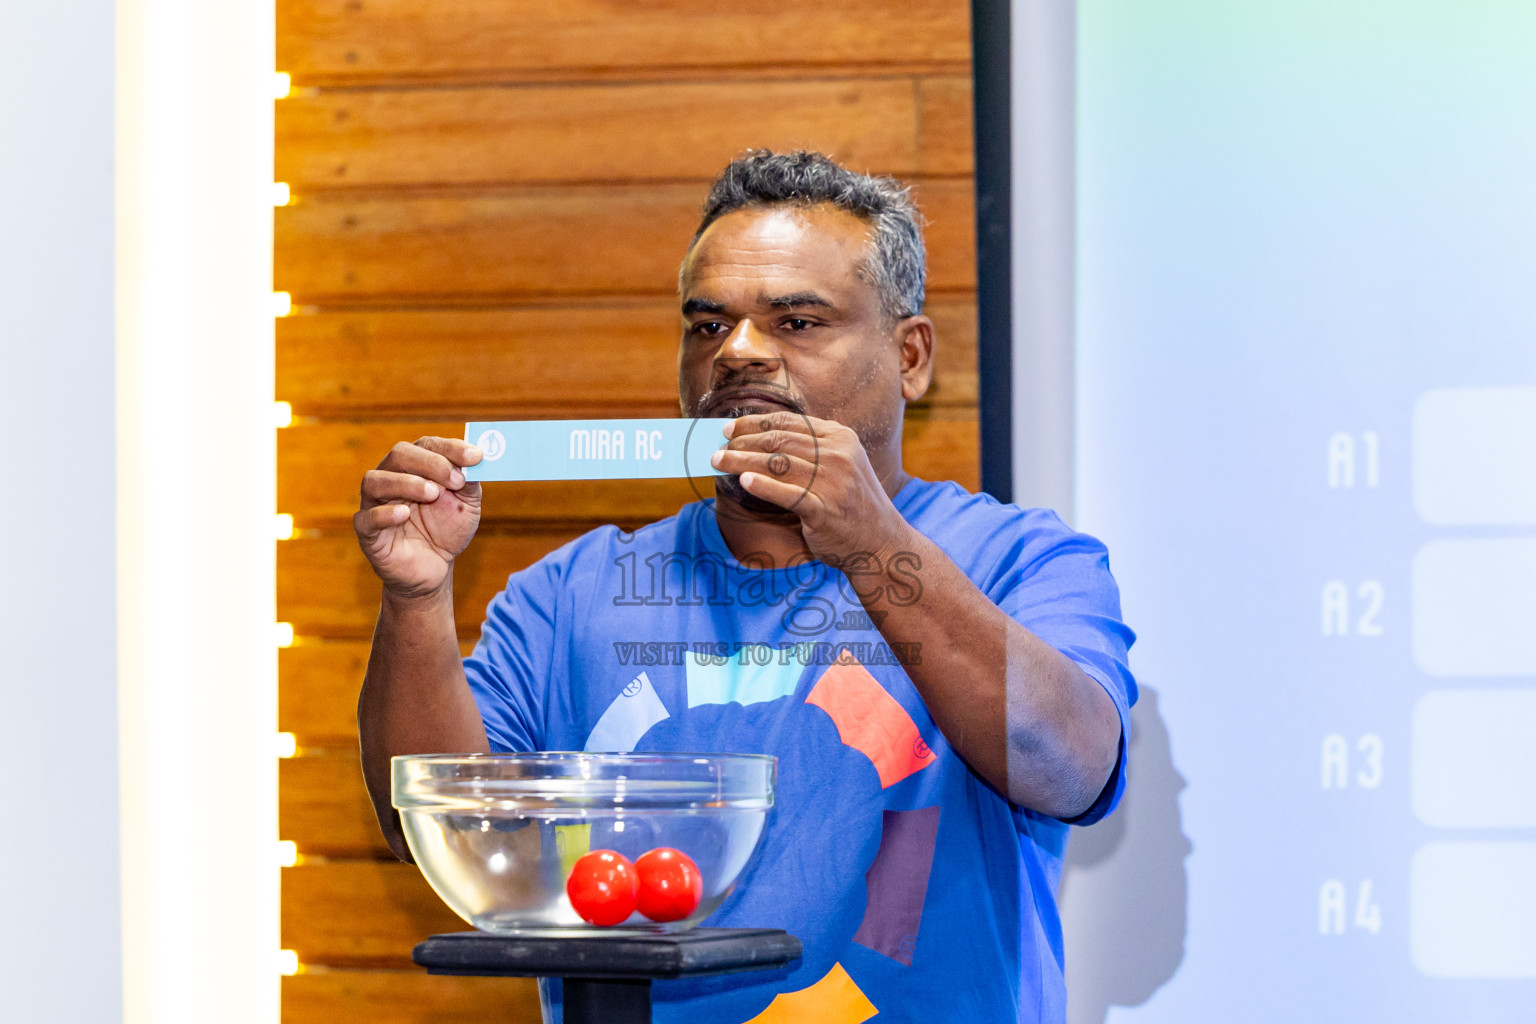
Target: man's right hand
[{"x": 417, "y": 514}]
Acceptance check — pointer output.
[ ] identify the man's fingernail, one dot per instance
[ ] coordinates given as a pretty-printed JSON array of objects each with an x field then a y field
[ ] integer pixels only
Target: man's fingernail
[
  {"x": 729, "y": 428},
  {"x": 457, "y": 478},
  {"x": 472, "y": 452},
  {"x": 432, "y": 490},
  {"x": 716, "y": 459}
]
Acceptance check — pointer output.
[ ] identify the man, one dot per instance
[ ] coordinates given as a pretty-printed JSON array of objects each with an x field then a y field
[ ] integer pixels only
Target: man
[{"x": 940, "y": 707}]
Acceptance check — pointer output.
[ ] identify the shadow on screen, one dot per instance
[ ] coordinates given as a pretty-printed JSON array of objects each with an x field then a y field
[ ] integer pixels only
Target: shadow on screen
[{"x": 1123, "y": 889}]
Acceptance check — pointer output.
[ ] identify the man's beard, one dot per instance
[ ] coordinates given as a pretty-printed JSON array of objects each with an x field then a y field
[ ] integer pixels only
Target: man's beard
[
  {"x": 729, "y": 486},
  {"x": 713, "y": 403}
]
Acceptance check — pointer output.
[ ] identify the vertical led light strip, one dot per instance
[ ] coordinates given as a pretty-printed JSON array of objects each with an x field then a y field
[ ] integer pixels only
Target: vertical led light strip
[{"x": 196, "y": 470}]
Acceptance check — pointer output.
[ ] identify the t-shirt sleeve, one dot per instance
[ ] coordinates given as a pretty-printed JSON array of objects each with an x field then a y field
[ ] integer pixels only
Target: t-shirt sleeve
[
  {"x": 510, "y": 668},
  {"x": 1059, "y": 587}
]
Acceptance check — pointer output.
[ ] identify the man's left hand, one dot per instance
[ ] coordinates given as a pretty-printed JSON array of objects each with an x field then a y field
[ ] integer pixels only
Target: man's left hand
[{"x": 818, "y": 470}]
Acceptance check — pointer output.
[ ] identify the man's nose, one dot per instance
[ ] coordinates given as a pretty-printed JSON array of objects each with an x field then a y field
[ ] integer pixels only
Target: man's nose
[
  {"x": 747, "y": 349},
  {"x": 746, "y": 341}
]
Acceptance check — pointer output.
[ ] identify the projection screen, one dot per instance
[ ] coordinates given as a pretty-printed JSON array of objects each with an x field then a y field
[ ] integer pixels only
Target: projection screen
[{"x": 1258, "y": 304}]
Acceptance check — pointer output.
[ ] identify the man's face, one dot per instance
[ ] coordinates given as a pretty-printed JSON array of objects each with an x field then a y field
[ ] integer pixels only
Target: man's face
[{"x": 776, "y": 314}]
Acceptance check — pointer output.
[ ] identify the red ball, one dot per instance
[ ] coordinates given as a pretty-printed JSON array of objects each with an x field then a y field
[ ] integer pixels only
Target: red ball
[
  {"x": 602, "y": 887},
  {"x": 670, "y": 884}
]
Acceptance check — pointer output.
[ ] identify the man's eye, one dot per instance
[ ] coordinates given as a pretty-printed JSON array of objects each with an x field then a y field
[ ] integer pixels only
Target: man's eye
[
  {"x": 796, "y": 323},
  {"x": 708, "y": 327}
]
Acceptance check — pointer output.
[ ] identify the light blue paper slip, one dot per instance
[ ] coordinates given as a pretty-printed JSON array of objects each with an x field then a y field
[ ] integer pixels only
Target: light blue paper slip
[{"x": 594, "y": 449}]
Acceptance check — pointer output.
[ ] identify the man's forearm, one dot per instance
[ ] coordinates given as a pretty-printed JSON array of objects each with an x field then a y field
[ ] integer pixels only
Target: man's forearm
[
  {"x": 1022, "y": 715},
  {"x": 415, "y": 699}
]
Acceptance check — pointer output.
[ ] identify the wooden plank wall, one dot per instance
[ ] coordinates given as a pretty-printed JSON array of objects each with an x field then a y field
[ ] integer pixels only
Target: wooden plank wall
[{"x": 490, "y": 198}]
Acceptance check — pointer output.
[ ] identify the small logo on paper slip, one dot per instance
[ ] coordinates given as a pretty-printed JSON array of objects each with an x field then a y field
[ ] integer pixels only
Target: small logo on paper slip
[{"x": 492, "y": 445}]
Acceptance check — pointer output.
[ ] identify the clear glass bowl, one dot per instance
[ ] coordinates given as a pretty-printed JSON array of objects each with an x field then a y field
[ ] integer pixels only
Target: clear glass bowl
[{"x": 496, "y": 834}]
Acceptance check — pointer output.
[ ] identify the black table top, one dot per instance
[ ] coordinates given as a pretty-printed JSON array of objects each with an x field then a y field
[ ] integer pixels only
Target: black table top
[{"x": 691, "y": 953}]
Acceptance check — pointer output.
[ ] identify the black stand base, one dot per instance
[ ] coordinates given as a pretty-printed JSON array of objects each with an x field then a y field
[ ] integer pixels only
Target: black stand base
[
  {"x": 607, "y": 978},
  {"x": 612, "y": 1002}
]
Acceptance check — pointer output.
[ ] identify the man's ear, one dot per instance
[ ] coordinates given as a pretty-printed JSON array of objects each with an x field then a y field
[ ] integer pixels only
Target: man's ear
[{"x": 915, "y": 336}]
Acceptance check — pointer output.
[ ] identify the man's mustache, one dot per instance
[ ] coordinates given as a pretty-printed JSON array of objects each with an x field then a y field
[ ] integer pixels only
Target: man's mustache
[
  {"x": 743, "y": 379},
  {"x": 730, "y": 401}
]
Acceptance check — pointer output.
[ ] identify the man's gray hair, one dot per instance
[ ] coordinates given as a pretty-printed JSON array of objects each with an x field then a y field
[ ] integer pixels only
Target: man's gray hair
[{"x": 896, "y": 263}]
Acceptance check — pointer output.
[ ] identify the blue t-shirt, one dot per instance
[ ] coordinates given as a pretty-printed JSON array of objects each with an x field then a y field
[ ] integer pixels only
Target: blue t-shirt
[{"x": 919, "y": 892}]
